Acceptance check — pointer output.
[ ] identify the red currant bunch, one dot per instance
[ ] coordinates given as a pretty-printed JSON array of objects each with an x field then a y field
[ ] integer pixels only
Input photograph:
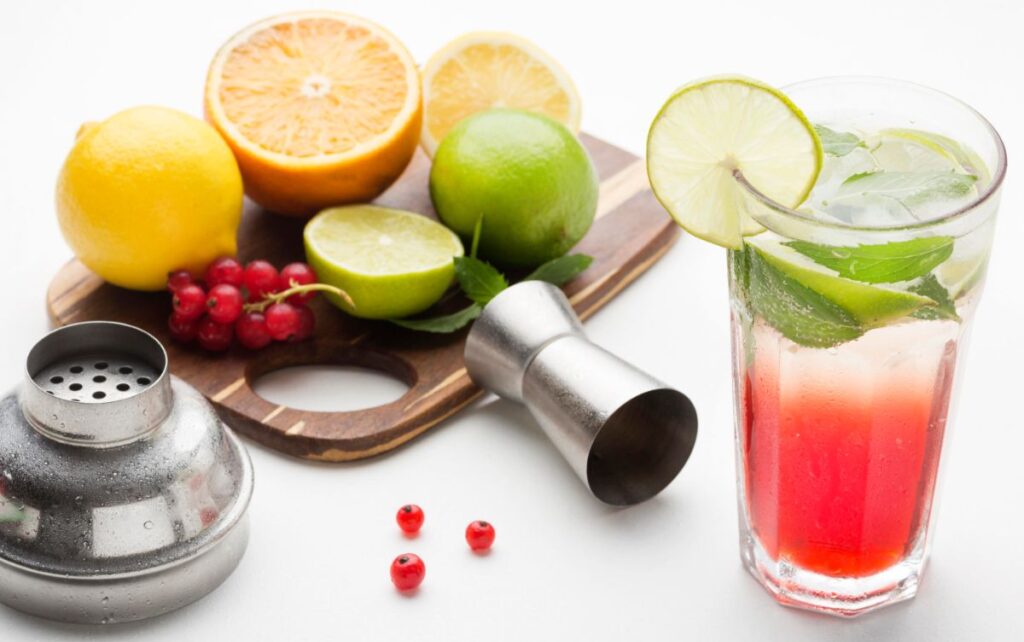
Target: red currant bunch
[{"x": 254, "y": 303}]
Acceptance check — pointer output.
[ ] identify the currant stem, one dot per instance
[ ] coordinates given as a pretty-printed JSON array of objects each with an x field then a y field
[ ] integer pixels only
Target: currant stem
[{"x": 277, "y": 297}]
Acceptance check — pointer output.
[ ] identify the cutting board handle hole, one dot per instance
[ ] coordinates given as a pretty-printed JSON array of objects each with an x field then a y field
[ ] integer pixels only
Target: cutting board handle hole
[{"x": 329, "y": 387}]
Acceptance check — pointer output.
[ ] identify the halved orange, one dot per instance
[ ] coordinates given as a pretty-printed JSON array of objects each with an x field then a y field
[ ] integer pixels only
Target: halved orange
[{"x": 320, "y": 108}]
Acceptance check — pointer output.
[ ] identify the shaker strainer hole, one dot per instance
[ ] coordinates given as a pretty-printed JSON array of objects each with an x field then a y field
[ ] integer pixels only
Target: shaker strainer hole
[
  {"x": 99, "y": 378},
  {"x": 143, "y": 381},
  {"x": 123, "y": 387},
  {"x": 125, "y": 370},
  {"x": 50, "y": 392},
  {"x": 99, "y": 394},
  {"x": 75, "y": 386},
  {"x": 76, "y": 369},
  {"x": 56, "y": 379},
  {"x": 101, "y": 365}
]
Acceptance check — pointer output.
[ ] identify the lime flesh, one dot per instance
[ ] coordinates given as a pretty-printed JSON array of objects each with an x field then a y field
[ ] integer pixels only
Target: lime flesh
[
  {"x": 870, "y": 305},
  {"x": 391, "y": 262}
]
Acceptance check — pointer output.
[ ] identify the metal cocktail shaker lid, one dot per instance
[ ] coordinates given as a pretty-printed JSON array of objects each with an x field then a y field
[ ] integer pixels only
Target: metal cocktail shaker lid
[
  {"x": 626, "y": 434},
  {"x": 122, "y": 494}
]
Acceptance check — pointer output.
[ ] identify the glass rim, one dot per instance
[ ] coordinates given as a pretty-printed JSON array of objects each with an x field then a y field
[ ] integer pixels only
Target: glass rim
[{"x": 990, "y": 190}]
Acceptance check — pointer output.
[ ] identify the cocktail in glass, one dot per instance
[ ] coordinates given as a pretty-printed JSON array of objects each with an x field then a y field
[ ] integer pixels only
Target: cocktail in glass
[{"x": 849, "y": 317}]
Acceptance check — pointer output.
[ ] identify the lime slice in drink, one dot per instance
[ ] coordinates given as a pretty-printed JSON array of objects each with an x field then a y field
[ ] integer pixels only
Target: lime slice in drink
[
  {"x": 711, "y": 128},
  {"x": 960, "y": 275},
  {"x": 870, "y": 305},
  {"x": 917, "y": 151},
  {"x": 391, "y": 262},
  {"x": 810, "y": 304}
]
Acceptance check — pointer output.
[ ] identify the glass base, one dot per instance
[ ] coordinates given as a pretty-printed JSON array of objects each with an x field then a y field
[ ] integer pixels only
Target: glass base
[{"x": 840, "y": 596}]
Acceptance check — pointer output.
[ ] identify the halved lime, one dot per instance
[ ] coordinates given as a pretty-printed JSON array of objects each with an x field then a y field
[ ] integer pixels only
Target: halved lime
[
  {"x": 711, "y": 128},
  {"x": 391, "y": 262}
]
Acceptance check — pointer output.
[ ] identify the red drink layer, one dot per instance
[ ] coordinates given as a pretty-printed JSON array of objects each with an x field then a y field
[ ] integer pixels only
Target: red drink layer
[{"x": 841, "y": 449}]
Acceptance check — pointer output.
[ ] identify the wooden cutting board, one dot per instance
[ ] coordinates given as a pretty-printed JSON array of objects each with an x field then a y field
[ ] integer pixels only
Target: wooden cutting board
[{"x": 632, "y": 231}]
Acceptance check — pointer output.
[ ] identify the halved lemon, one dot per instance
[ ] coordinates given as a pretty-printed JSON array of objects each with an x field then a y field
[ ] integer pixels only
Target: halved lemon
[
  {"x": 320, "y": 108},
  {"x": 711, "y": 128},
  {"x": 482, "y": 70}
]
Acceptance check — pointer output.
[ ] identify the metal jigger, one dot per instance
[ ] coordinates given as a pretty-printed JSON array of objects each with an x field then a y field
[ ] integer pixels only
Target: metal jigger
[{"x": 625, "y": 433}]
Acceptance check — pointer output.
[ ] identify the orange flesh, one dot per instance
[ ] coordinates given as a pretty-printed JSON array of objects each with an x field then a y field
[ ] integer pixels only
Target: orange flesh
[{"x": 311, "y": 87}]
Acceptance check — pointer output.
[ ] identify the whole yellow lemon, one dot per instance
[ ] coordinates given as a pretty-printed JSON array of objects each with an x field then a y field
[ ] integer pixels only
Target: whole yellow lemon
[{"x": 148, "y": 191}]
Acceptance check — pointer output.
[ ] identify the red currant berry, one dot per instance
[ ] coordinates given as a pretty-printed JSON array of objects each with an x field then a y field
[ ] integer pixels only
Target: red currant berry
[
  {"x": 307, "y": 323},
  {"x": 214, "y": 336},
  {"x": 178, "y": 279},
  {"x": 225, "y": 270},
  {"x": 182, "y": 330},
  {"x": 224, "y": 303},
  {"x": 410, "y": 518},
  {"x": 189, "y": 302},
  {"x": 260, "y": 279},
  {"x": 297, "y": 274},
  {"x": 407, "y": 571},
  {"x": 282, "y": 321},
  {"x": 252, "y": 331},
  {"x": 480, "y": 535}
]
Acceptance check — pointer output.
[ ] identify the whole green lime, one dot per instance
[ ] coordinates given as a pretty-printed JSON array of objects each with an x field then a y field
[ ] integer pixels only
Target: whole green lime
[{"x": 526, "y": 175}]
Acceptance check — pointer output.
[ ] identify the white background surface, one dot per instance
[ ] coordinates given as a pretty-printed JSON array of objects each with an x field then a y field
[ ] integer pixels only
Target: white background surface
[{"x": 564, "y": 567}]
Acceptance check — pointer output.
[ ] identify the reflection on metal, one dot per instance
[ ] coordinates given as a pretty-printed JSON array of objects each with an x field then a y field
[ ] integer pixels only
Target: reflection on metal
[
  {"x": 626, "y": 434},
  {"x": 122, "y": 495}
]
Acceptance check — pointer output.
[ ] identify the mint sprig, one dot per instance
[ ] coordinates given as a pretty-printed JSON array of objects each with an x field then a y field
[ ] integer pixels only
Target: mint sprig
[
  {"x": 836, "y": 143},
  {"x": 481, "y": 282},
  {"x": 443, "y": 324},
  {"x": 561, "y": 270},
  {"x": 883, "y": 263}
]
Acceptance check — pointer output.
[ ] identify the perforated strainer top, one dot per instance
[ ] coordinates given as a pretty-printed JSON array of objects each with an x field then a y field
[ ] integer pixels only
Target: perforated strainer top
[{"x": 96, "y": 378}]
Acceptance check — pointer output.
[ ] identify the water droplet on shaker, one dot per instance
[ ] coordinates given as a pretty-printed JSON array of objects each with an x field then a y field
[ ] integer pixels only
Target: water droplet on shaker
[{"x": 147, "y": 525}]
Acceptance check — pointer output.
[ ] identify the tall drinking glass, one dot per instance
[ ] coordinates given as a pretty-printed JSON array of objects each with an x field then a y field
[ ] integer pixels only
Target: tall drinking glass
[{"x": 849, "y": 318}]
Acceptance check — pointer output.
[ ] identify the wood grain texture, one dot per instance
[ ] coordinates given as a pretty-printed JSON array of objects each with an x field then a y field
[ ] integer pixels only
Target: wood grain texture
[{"x": 631, "y": 232}]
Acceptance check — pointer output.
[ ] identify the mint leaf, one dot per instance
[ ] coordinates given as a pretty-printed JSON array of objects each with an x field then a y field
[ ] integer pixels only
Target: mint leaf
[
  {"x": 884, "y": 263},
  {"x": 944, "y": 308},
  {"x": 910, "y": 188},
  {"x": 447, "y": 323},
  {"x": 480, "y": 281},
  {"x": 798, "y": 312},
  {"x": 836, "y": 143},
  {"x": 561, "y": 270}
]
